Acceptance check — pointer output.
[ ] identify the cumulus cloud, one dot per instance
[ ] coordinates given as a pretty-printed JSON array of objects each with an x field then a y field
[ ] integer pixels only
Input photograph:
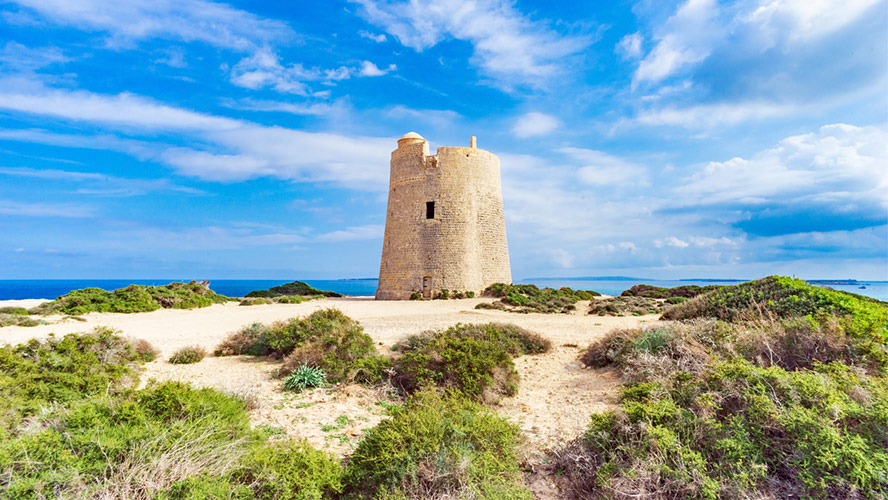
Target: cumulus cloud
[
  {"x": 508, "y": 45},
  {"x": 838, "y": 164},
  {"x": 629, "y": 47},
  {"x": 535, "y": 124},
  {"x": 370, "y": 69}
]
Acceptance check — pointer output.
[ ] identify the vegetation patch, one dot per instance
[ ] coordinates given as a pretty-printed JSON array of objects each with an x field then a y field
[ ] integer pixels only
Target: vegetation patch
[
  {"x": 529, "y": 298},
  {"x": 446, "y": 294},
  {"x": 15, "y": 319},
  {"x": 305, "y": 377},
  {"x": 295, "y": 288},
  {"x": 782, "y": 297},
  {"x": 188, "y": 355},
  {"x": 656, "y": 292},
  {"x": 472, "y": 360},
  {"x": 133, "y": 299},
  {"x": 326, "y": 339},
  {"x": 782, "y": 409},
  {"x": 437, "y": 447},
  {"x": 282, "y": 299},
  {"x": 627, "y": 306}
]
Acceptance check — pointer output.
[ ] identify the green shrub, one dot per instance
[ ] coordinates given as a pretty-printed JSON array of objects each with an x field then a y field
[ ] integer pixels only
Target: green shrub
[
  {"x": 18, "y": 320},
  {"x": 42, "y": 373},
  {"x": 132, "y": 299},
  {"x": 305, "y": 377},
  {"x": 759, "y": 409},
  {"x": 529, "y": 298},
  {"x": 470, "y": 294},
  {"x": 416, "y": 296},
  {"x": 782, "y": 297},
  {"x": 188, "y": 355},
  {"x": 437, "y": 447},
  {"x": 144, "y": 350},
  {"x": 293, "y": 288},
  {"x": 474, "y": 360},
  {"x": 254, "y": 301},
  {"x": 655, "y": 292},
  {"x": 327, "y": 339},
  {"x": 17, "y": 311},
  {"x": 628, "y": 305},
  {"x": 241, "y": 341}
]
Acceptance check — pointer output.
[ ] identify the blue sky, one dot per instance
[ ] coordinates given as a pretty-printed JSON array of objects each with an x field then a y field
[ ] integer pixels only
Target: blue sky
[{"x": 191, "y": 138}]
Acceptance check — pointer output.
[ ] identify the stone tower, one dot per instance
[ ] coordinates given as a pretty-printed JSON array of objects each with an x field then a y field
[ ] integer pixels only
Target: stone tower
[{"x": 444, "y": 228}]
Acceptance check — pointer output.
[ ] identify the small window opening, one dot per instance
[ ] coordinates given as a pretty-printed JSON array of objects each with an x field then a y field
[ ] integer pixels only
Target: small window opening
[{"x": 430, "y": 210}]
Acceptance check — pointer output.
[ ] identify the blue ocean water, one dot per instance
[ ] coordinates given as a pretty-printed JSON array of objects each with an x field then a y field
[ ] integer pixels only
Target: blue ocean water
[{"x": 50, "y": 289}]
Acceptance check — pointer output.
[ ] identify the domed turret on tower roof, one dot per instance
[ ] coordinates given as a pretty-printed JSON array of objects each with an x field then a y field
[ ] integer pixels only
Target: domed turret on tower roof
[{"x": 410, "y": 138}]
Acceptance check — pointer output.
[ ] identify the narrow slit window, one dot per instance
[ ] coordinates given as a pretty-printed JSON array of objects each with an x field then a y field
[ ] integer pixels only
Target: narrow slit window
[{"x": 430, "y": 210}]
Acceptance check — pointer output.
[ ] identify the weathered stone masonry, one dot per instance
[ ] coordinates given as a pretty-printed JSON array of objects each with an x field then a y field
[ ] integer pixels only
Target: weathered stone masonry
[{"x": 445, "y": 227}]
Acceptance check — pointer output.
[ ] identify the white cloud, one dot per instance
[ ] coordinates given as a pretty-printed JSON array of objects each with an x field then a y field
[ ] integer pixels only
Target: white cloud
[
  {"x": 232, "y": 150},
  {"x": 629, "y": 47},
  {"x": 17, "y": 56},
  {"x": 687, "y": 39},
  {"x": 700, "y": 27},
  {"x": 602, "y": 169},
  {"x": 122, "y": 110},
  {"x": 837, "y": 164},
  {"x": 508, "y": 45},
  {"x": 372, "y": 36},
  {"x": 45, "y": 209},
  {"x": 99, "y": 184},
  {"x": 370, "y": 69},
  {"x": 355, "y": 233},
  {"x": 312, "y": 109},
  {"x": 186, "y": 20},
  {"x": 264, "y": 69},
  {"x": 705, "y": 116},
  {"x": 535, "y": 124}
]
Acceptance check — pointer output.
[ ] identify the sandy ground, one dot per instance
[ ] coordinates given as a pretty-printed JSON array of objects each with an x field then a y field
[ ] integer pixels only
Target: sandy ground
[{"x": 555, "y": 398}]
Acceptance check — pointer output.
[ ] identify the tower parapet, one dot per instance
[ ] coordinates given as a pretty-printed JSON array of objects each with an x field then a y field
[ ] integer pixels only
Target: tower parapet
[{"x": 445, "y": 225}]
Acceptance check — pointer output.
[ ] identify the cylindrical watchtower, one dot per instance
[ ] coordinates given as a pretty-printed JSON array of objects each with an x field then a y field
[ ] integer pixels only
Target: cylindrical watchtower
[{"x": 445, "y": 227}]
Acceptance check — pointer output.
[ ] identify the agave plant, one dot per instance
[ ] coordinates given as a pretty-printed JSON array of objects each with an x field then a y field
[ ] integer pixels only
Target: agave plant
[{"x": 305, "y": 377}]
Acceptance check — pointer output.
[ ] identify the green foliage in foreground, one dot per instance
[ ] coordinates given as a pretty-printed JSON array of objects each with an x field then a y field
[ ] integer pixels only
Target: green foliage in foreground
[
  {"x": 97, "y": 437},
  {"x": 437, "y": 447},
  {"x": 133, "y": 299},
  {"x": 39, "y": 374},
  {"x": 292, "y": 288},
  {"x": 529, "y": 298},
  {"x": 326, "y": 339},
  {"x": 789, "y": 409},
  {"x": 472, "y": 360},
  {"x": 17, "y": 319},
  {"x": 782, "y": 297}
]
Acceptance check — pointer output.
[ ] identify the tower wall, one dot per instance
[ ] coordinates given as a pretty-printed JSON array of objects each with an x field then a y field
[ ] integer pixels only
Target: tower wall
[{"x": 463, "y": 248}]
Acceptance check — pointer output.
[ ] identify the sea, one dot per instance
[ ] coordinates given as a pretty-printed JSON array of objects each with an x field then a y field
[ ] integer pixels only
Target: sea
[{"x": 50, "y": 289}]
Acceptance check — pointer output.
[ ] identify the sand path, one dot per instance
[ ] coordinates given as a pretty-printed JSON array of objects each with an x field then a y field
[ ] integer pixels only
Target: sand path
[{"x": 555, "y": 398}]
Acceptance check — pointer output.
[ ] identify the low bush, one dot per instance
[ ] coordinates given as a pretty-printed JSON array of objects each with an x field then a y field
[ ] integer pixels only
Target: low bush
[
  {"x": 416, "y": 296},
  {"x": 529, "y": 298},
  {"x": 627, "y": 306},
  {"x": 39, "y": 374},
  {"x": 294, "y": 288},
  {"x": 473, "y": 360},
  {"x": 792, "y": 408},
  {"x": 188, "y": 355},
  {"x": 144, "y": 350},
  {"x": 327, "y": 339},
  {"x": 16, "y": 311},
  {"x": 782, "y": 297},
  {"x": 133, "y": 299},
  {"x": 18, "y": 320},
  {"x": 656, "y": 292},
  {"x": 437, "y": 447}
]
